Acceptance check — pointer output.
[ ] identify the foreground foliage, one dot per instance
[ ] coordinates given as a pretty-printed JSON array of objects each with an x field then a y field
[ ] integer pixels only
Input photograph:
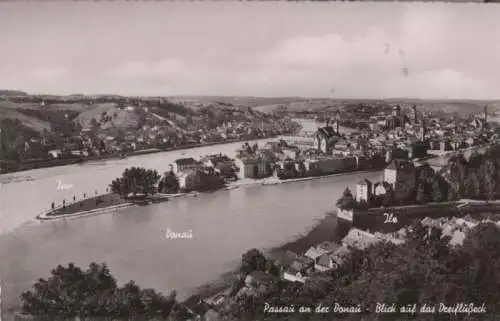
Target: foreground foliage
[
  {"x": 71, "y": 292},
  {"x": 423, "y": 270}
]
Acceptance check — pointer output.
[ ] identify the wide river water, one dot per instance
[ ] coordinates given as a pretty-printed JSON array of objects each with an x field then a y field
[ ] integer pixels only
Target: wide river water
[{"x": 132, "y": 241}]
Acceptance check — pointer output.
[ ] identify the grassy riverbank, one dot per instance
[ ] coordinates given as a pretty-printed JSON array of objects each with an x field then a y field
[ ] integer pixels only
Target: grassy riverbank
[{"x": 88, "y": 204}]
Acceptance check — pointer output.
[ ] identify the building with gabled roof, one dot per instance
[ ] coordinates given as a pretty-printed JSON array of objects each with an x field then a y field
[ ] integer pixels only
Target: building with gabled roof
[{"x": 183, "y": 164}]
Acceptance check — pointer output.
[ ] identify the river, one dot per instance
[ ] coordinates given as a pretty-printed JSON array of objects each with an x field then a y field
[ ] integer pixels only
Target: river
[{"x": 132, "y": 241}]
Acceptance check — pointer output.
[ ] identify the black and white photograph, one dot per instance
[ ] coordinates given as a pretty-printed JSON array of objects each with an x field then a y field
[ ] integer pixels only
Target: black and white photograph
[{"x": 249, "y": 161}]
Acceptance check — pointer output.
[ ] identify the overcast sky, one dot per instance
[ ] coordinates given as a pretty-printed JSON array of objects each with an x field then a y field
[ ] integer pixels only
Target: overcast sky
[{"x": 257, "y": 49}]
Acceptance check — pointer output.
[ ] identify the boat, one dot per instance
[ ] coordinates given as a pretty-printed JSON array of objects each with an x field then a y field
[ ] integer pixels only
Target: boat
[{"x": 271, "y": 182}]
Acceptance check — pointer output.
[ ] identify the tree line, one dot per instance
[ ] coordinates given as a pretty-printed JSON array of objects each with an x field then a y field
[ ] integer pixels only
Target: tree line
[
  {"x": 91, "y": 294},
  {"x": 475, "y": 178}
]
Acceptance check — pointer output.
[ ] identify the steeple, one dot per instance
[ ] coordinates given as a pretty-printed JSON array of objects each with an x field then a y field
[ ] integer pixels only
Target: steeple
[
  {"x": 337, "y": 118},
  {"x": 485, "y": 116}
]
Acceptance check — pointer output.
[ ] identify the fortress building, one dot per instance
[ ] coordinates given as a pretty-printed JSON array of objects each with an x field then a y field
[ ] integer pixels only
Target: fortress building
[{"x": 401, "y": 175}]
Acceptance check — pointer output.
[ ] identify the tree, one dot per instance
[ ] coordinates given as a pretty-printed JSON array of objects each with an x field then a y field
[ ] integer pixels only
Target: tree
[
  {"x": 70, "y": 292},
  {"x": 437, "y": 191},
  {"x": 169, "y": 183},
  {"x": 135, "y": 180},
  {"x": 422, "y": 197},
  {"x": 472, "y": 185},
  {"x": 487, "y": 173},
  {"x": 346, "y": 201},
  {"x": 458, "y": 172},
  {"x": 253, "y": 260},
  {"x": 271, "y": 268},
  {"x": 94, "y": 123}
]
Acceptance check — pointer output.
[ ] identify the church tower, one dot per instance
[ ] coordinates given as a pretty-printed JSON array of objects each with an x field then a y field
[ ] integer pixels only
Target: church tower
[
  {"x": 485, "y": 125},
  {"x": 337, "y": 122},
  {"x": 414, "y": 114}
]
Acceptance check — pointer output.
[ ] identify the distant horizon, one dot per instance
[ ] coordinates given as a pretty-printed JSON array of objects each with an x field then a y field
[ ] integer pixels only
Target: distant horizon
[{"x": 248, "y": 96}]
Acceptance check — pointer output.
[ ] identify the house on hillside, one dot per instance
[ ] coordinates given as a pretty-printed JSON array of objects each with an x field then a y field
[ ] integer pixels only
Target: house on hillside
[
  {"x": 299, "y": 270},
  {"x": 259, "y": 279},
  {"x": 332, "y": 260},
  {"x": 218, "y": 299},
  {"x": 359, "y": 239},
  {"x": 314, "y": 253},
  {"x": 54, "y": 153}
]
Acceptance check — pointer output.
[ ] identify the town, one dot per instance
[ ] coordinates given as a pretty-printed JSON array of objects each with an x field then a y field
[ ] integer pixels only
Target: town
[
  {"x": 42, "y": 131},
  {"x": 421, "y": 155},
  {"x": 399, "y": 142},
  {"x": 181, "y": 161}
]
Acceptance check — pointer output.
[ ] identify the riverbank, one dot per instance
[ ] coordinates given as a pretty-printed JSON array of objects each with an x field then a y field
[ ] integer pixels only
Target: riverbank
[
  {"x": 322, "y": 231},
  {"x": 110, "y": 202},
  {"x": 22, "y": 167},
  {"x": 105, "y": 203},
  {"x": 100, "y": 204}
]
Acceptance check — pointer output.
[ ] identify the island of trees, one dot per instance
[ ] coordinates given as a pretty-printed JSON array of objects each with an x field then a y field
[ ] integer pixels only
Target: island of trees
[{"x": 141, "y": 186}]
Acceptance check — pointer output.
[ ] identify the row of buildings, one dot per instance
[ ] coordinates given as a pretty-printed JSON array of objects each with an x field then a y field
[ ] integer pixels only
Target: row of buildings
[{"x": 192, "y": 174}]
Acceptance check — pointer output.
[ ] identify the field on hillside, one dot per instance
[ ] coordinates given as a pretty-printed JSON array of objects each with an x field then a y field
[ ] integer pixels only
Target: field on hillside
[
  {"x": 28, "y": 121},
  {"x": 121, "y": 119}
]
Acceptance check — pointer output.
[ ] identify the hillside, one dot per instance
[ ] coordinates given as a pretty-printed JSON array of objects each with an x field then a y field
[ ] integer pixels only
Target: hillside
[
  {"x": 108, "y": 115},
  {"x": 33, "y": 123},
  {"x": 5, "y": 92},
  {"x": 462, "y": 107},
  {"x": 112, "y": 124},
  {"x": 108, "y": 111}
]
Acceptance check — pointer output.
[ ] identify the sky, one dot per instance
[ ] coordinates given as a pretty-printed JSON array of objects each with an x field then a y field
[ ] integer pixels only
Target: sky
[{"x": 337, "y": 50}]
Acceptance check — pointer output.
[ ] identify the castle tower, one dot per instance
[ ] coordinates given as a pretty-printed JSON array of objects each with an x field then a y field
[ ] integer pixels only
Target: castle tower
[
  {"x": 337, "y": 119},
  {"x": 396, "y": 116},
  {"x": 485, "y": 116},
  {"x": 400, "y": 175},
  {"x": 414, "y": 116},
  {"x": 396, "y": 111}
]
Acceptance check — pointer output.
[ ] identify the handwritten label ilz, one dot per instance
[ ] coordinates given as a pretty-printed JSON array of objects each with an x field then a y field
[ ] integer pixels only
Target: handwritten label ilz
[{"x": 390, "y": 218}]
